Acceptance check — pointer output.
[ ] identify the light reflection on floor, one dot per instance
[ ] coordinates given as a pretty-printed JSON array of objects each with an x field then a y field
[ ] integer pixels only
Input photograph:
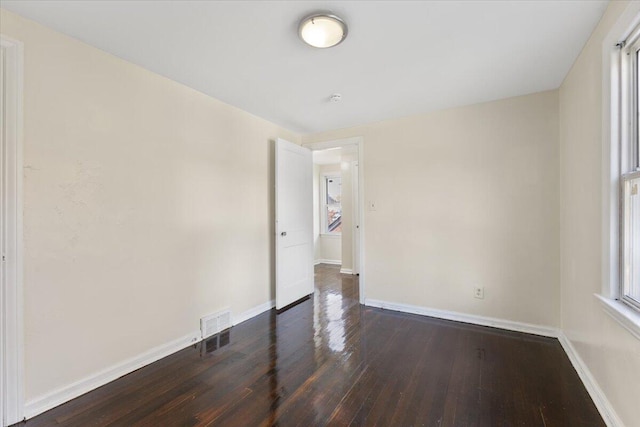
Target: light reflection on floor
[
  {"x": 334, "y": 313},
  {"x": 329, "y": 315}
]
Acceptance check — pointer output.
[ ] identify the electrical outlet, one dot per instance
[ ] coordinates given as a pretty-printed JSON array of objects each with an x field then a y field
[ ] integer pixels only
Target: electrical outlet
[{"x": 478, "y": 292}]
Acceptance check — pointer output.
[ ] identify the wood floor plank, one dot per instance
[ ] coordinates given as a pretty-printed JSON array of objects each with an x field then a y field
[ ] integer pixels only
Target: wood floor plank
[{"x": 331, "y": 361}]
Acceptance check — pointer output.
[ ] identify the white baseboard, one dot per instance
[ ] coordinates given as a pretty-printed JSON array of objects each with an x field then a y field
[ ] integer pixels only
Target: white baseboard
[
  {"x": 253, "y": 312},
  {"x": 328, "y": 261},
  {"x": 346, "y": 271},
  {"x": 71, "y": 391},
  {"x": 529, "y": 328},
  {"x": 64, "y": 394},
  {"x": 597, "y": 395}
]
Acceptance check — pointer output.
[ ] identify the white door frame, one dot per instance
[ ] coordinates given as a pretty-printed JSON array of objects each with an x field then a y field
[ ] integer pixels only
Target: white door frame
[
  {"x": 355, "y": 189},
  {"x": 11, "y": 311},
  {"x": 350, "y": 142}
]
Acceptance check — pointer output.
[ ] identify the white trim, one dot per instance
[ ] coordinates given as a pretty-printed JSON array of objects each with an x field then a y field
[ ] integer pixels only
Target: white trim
[
  {"x": 510, "y": 325},
  {"x": 11, "y": 360},
  {"x": 346, "y": 271},
  {"x": 358, "y": 141},
  {"x": 328, "y": 261},
  {"x": 71, "y": 391},
  {"x": 597, "y": 395},
  {"x": 611, "y": 137},
  {"x": 330, "y": 236},
  {"x": 253, "y": 312},
  {"x": 621, "y": 313},
  {"x": 344, "y": 142},
  {"x": 355, "y": 235}
]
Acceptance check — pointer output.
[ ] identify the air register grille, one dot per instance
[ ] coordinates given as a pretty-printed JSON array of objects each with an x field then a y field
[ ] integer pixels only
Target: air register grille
[{"x": 214, "y": 323}]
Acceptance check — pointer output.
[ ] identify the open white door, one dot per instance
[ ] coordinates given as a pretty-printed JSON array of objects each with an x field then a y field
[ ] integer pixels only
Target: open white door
[{"x": 294, "y": 222}]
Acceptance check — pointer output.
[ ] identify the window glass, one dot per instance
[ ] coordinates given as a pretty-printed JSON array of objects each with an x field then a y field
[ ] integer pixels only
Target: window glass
[
  {"x": 630, "y": 179},
  {"x": 333, "y": 207},
  {"x": 334, "y": 188},
  {"x": 334, "y": 219},
  {"x": 632, "y": 239}
]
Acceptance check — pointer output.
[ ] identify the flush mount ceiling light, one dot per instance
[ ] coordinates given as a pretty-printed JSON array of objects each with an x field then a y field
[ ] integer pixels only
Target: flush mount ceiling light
[{"x": 322, "y": 30}]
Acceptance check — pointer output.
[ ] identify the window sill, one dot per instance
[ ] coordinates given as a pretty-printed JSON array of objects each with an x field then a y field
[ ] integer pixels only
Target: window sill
[
  {"x": 330, "y": 236},
  {"x": 621, "y": 313}
]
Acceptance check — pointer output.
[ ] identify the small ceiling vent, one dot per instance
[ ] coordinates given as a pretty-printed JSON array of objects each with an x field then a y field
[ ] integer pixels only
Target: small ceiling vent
[{"x": 215, "y": 323}]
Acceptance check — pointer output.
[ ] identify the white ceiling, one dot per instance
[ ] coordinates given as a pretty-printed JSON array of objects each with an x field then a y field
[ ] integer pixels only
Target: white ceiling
[{"x": 400, "y": 58}]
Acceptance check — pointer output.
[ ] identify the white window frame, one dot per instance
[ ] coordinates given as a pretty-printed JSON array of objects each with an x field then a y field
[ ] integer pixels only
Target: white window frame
[
  {"x": 324, "y": 223},
  {"x": 614, "y": 156},
  {"x": 629, "y": 150}
]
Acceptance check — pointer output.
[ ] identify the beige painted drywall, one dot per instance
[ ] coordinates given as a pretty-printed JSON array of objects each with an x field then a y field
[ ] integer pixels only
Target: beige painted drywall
[
  {"x": 611, "y": 353},
  {"x": 465, "y": 197},
  {"x": 328, "y": 247},
  {"x": 132, "y": 231},
  {"x": 316, "y": 213},
  {"x": 147, "y": 205},
  {"x": 347, "y": 210}
]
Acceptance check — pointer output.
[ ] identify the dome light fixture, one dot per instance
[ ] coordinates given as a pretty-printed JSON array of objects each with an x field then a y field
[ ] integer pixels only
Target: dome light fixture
[{"x": 322, "y": 30}]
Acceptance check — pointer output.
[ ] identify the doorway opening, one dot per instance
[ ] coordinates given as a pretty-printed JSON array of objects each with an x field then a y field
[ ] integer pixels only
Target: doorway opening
[{"x": 338, "y": 206}]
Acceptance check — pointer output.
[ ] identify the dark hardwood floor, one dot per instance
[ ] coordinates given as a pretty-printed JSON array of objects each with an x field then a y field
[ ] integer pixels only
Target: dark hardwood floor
[{"x": 331, "y": 361}]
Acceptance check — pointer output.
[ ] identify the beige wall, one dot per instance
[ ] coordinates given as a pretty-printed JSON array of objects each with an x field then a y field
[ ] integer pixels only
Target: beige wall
[
  {"x": 465, "y": 197},
  {"x": 132, "y": 230},
  {"x": 611, "y": 353},
  {"x": 316, "y": 213},
  {"x": 327, "y": 248},
  {"x": 347, "y": 210}
]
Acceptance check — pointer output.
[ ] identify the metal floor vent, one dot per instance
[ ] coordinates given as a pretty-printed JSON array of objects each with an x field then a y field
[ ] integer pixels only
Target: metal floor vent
[
  {"x": 214, "y": 342},
  {"x": 214, "y": 323}
]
